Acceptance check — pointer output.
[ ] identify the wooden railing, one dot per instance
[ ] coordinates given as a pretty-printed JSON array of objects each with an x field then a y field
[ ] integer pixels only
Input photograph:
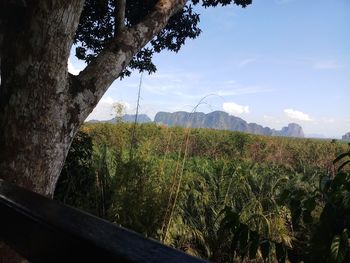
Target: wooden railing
[{"x": 43, "y": 230}]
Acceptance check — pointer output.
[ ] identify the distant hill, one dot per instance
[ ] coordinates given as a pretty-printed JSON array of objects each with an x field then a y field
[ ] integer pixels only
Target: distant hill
[
  {"x": 223, "y": 121},
  {"x": 315, "y": 136},
  {"x": 214, "y": 120},
  {"x": 141, "y": 118},
  {"x": 346, "y": 137}
]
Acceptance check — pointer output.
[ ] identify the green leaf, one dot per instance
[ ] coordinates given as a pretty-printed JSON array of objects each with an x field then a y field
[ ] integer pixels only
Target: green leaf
[
  {"x": 343, "y": 164},
  {"x": 341, "y": 156},
  {"x": 339, "y": 180},
  {"x": 339, "y": 247},
  {"x": 80, "y": 52}
]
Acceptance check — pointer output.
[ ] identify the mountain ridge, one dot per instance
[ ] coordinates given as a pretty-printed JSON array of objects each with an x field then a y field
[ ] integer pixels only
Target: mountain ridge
[
  {"x": 141, "y": 118},
  {"x": 223, "y": 121},
  {"x": 219, "y": 120},
  {"x": 346, "y": 137}
]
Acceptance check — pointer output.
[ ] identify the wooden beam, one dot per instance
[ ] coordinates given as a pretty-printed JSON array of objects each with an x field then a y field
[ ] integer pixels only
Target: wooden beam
[{"x": 43, "y": 230}]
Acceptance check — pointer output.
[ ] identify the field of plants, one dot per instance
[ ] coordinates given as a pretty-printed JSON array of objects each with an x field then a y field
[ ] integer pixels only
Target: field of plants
[{"x": 219, "y": 195}]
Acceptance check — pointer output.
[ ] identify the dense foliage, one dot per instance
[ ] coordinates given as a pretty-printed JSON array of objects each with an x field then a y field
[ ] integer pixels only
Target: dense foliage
[
  {"x": 223, "y": 196},
  {"x": 98, "y": 25}
]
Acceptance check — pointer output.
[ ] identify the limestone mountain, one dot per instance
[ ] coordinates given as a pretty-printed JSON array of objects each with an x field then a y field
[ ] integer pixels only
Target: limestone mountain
[
  {"x": 223, "y": 121},
  {"x": 346, "y": 137}
]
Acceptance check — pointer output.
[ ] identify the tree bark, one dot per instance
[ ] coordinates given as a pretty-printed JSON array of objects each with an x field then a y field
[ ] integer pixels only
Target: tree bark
[
  {"x": 41, "y": 104},
  {"x": 36, "y": 118},
  {"x": 119, "y": 16}
]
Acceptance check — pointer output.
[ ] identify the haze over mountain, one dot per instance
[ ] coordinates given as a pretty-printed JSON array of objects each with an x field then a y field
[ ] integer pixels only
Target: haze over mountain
[
  {"x": 219, "y": 120},
  {"x": 315, "y": 136},
  {"x": 141, "y": 118},
  {"x": 346, "y": 137},
  {"x": 223, "y": 121}
]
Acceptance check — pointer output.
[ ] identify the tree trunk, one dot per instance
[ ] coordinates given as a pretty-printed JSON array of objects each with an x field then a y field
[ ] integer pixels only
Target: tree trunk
[
  {"x": 37, "y": 120},
  {"x": 41, "y": 104},
  {"x": 36, "y": 125}
]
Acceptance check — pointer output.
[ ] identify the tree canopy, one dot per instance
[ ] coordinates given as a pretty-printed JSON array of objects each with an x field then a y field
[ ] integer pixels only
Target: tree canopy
[
  {"x": 114, "y": 37},
  {"x": 99, "y": 23}
]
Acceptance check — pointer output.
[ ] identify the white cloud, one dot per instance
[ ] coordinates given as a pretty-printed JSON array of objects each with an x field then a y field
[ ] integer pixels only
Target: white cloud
[
  {"x": 231, "y": 82},
  {"x": 234, "y": 108},
  {"x": 328, "y": 120},
  {"x": 234, "y": 88},
  {"x": 327, "y": 64},
  {"x": 235, "y": 91},
  {"x": 104, "y": 109},
  {"x": 297, "y": 115},
  {"x": 72, "y": 69},
  {"x": 108, "y": 100},
  {"x": 166, "y": 77},
  {"x": 245, "y": 62}
]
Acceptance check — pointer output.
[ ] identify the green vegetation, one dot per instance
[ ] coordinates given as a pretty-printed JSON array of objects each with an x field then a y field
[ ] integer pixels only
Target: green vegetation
[{"x": 223, "y": 196}]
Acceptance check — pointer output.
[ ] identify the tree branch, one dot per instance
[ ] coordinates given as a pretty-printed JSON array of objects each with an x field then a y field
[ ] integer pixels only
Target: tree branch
[
  {"x": 119, "y": 16},
  {"x": 89, "y": 86}
]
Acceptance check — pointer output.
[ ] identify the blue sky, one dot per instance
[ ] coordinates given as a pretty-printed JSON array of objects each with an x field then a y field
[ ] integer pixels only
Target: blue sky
[{"x": 274, "y": 62}]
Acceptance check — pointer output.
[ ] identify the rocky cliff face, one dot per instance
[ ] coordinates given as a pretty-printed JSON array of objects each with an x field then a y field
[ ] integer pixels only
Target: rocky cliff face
[
  {"x": 292, "y": 130},
  {"x": 346, "y": 137},
  {"x": 214, "y": 120},
  {"x": 223, "y": 121}
]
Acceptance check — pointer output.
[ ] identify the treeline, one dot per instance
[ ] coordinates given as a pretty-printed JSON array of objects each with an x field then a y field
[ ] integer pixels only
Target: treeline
[{"x": 223, "y": 196}]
